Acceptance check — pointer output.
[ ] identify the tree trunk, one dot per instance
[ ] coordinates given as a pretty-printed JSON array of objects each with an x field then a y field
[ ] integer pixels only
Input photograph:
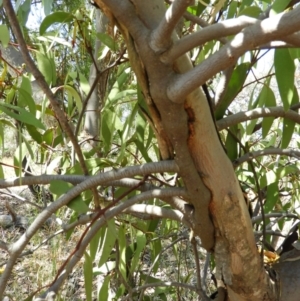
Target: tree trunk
[{"x": 219, "y": 216}]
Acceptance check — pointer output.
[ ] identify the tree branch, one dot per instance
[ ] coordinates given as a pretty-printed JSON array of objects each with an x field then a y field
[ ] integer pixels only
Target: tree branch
[
  {"x": 161, "y": 36},
  {"x": 253, "y": 36},
  {"x": 265, "y": 152},
  {"x": 257, "y": 113},
  {"x": 157, "y": 211},
  {"x": 211, "y": 32}
]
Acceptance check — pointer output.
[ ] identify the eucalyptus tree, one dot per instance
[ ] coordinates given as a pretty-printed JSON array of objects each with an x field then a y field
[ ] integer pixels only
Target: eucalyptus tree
[{"x": 174, "y": 102}]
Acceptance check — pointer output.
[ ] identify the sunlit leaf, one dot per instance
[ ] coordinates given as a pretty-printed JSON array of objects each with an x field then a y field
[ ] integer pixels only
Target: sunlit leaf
[
  {"x": 279, "y": 6},
  {"x": 284, "y": 72}
]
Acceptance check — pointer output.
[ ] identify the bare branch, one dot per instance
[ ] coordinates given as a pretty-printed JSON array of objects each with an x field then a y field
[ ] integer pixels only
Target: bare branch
[
  {"x": 257, "y": 113},
  {"x": 201, "y": 23},
  {"x": 265, "y": 152},
  {"x": 161, "y": 36},
  {"x": 251, "y": 37},
  {"x": 212, "y": 32},
  {"x": 157, "y": 211}
]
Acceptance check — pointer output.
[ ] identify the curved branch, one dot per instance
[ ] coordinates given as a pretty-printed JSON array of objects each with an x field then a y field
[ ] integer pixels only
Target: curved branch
[
  {"x": 156, "y": 193},
  {"x": 161, "y": 36},
  {"x": 263, "y": 32},
  {"x": 18, "y": 246},
  {"x": 157, "y": 211},
  {"x": 201, "y": 23},
  {"x": 211, "y": 32},
  {"x": 265, "y": 152},
  {"x": 257, "y": 113}
]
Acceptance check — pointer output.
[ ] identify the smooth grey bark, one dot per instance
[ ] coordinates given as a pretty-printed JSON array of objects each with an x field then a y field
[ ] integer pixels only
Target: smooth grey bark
[{"x": 92, "y": 123}]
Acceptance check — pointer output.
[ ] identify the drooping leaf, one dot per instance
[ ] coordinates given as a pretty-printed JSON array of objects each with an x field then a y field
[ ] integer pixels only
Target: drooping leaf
[
  {"x": 235, "y": 84},
  {"x": 268, "y": 97},
  {"x": 108, "y": 242},
  {"x": 57, "y": 17},
  {"x": 272, "y": 197},
  {"x": 104, "y": 289},
  {"x": 140, "y": 244},
  {"x": 284, "y": 72},
  {"x": 46, "y": 65},
  {"x": 107, "y": 40},
  {"x": 88, "y": 276},
  {"x": 287, "y": 132},
  {"x": 23, "y": 116},
  {"x": 122, "y": 251}
]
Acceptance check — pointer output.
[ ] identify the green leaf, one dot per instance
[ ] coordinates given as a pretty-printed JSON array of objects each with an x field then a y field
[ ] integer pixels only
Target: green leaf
[
  {"x": 75, "y": 96},
  {"x": 78, "y": 205},
  {"x": 23, "y": 116},
  {"x": 94, "y": 244},
  {"x": 107, "y": 40},
  {"x": 140, "y": 244},
  {"x": 88, "y": 276},
  {"x": 272, "y": 197},
  {"x": 57, "y": 17},
  {"x": 34, "y": 133},
  {"x": 235, "y": 85},
  {"x": 25, "y": 100},
  {"x": 231, "y": 144},
  {"x": 108, "y": 242},
  {"x": 48, "y": 136},
  {"x": 4, "y": 35},
  {"x": 47, "y": 67},
  {"x": 47, "y": 6},
  {"x": 268, "y": 97},
  {"x": 251, "y": 11},
  {"x": 59, "y": 187},
  {"x": 279, "y": 6},
  {"x": 284, "y": 72},
  {"x": 122, "y": 251},
  {"x": 1, "y": 172},
  {"x": 287, "y": 132},
  {"x": 103, "y": 292}
]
